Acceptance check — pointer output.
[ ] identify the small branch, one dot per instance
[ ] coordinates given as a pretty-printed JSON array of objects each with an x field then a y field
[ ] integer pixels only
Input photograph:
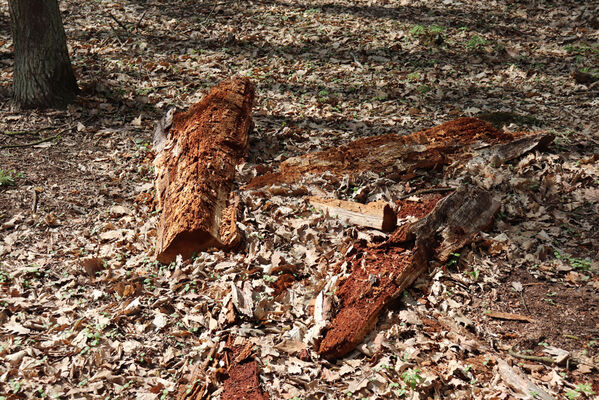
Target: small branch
[
  {"x": 524, "y": 303},
  {"x": 17, "y": 133},
  {"x": 14, "y": 146},
  {"x": 139, "y": 21},
  {"x": 118, "y": 22},
  {"x": 118, "y": 35},
  {"x": 546, "y": 360},
  {"x": 60, "y": 132}
]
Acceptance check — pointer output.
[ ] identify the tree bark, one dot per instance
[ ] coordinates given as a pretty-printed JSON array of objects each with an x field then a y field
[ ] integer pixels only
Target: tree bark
[{"x": 43, "y": 76}]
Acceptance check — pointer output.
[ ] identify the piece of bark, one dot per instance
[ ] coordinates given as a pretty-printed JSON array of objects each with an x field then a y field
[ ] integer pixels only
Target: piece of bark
[
  {"x": 501, "y": 153},
  {"x": 509, "y": 316},
  {"x": 395, "y": 156},
  {"x": 381, "y": 273},
  {"x": 378, "y": 214},
  {"x": 195, "y": 168}
]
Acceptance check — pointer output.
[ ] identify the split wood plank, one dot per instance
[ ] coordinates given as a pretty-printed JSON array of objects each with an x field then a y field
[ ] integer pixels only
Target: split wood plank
[
  {"x": 195, "y": 168},
  {"x": 378, "y": 214}
]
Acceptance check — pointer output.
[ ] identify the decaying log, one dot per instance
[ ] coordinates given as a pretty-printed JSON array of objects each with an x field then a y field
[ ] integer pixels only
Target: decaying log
[
  {"x": 195, "y": 167},
  {"x": 378, "y": 214},
  {"x": 399, "y": 156},
  {"x": 380, "y": 273}
]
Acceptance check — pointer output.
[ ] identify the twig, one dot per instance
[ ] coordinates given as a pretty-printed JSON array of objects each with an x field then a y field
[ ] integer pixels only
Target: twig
[
  {"x": 118, "y": 35},
  {"x": 426, "y": 191},
  {"x": 13, "y": 146},
  {"x": 17, "y": 133},
  {"x": 139, "y": 21},
  {"x": 118, "y": 22},
  {"x": 524, "y": 302},
  {"x": 36, "y": 200},
  {"x": 36, "y": 132},
  {"x": 546, "y": 360},
  {"x": 65, "y": 126}
]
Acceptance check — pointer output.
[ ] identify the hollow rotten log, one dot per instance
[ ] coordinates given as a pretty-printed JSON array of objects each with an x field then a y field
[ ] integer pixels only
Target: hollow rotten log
[
  {"x": 380, "y": 273},
  {"x": 195, "y": 168}
]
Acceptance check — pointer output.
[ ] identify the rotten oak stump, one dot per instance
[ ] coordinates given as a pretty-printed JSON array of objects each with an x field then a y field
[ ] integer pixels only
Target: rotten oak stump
[{"x": 195, "y": 168}]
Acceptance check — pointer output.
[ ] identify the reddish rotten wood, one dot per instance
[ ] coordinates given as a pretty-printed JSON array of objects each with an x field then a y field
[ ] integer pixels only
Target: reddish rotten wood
[
  {"x": 195, "y": 168},
  {"x": 380, "y": 273}
]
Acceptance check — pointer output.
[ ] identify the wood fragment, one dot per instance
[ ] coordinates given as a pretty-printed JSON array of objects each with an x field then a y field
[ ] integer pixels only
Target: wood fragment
[
  {"x": 378, "y": 215},
  {"x": 242, "y": 374},
  {"x": 546, "y": 360},
  {"x": 518, "y": 381},
  {"x": 509, "y": 316},
  {"x": 195, "y": 168}
]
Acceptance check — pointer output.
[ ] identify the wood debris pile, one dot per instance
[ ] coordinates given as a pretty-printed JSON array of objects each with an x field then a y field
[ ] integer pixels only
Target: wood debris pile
[{"x": 195, "y": 171}]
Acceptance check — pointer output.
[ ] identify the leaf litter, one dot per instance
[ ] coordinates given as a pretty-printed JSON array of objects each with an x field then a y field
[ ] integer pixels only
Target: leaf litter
[{"x": 85, "y": 312}]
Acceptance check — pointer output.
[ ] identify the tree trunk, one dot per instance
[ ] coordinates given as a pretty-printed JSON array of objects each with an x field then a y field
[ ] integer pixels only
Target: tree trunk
[{"x": 43, "y": 76}]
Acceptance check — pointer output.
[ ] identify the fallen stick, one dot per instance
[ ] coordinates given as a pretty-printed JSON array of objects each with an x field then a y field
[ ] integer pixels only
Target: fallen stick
[
  {"x": 195, "y": 168},
  {"x": 378, "y": 215},
  {"x": 510, "y": 375},
  {"x": 509, "y": 316}
]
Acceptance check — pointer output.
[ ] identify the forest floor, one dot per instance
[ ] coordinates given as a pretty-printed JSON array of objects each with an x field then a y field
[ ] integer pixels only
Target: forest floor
[{"x": 85, "y": 312}]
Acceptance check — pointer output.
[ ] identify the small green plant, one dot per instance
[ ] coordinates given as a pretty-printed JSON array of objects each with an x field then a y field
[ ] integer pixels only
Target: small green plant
[
  {"x": 428, "y": 34},
  {"x": 453, "y": 261},
  {"x": 424, "y": 89},
  {"x": 576, "y": 263},
  {"x": 418, "y": 30},
  {"x": 474, "y": 274},
  {"x": 581, "y": 388},
  {"x": 585, "y": 388},
  {"x": 7, "y": 178},
  {"x": 413, "y": 76},
  {"x": 16, "y": 386},
  {"x": 412, "y": 377},
  {"x": 572, "y": 394},
  {"x": 475, "y": 42},
  {"x": 581, "y": 49},
  {"x": 4, "y": 276}
]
